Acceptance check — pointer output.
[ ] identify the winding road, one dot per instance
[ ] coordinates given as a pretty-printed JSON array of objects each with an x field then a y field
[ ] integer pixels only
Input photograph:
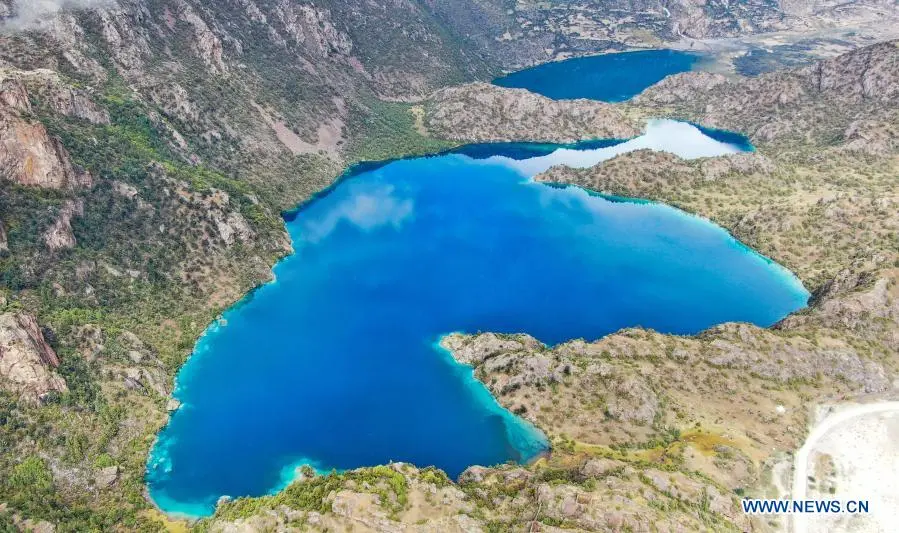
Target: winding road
[{"x": 800, "y": 461}]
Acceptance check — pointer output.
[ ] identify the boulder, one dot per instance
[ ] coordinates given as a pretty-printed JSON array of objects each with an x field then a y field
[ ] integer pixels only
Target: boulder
[
  {"x": 600, "y": 467},
  {"x": 107, "y": 477},
  {"x": 60, "y": 235},
  {"x": 172, "y": 405},
  {"x": 474, "y": 474}
]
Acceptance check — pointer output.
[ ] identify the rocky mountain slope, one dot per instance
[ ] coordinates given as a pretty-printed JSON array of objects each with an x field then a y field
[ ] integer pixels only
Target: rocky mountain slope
[
  {"x": 846, "y": 98},
  {"x": 484, "y": 112},
  {"x": 521, "y": 33},
  {"x": 147, "y": 148}
]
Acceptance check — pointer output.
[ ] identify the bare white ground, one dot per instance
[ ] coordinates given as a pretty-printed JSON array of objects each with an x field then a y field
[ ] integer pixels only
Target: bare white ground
[{"x": 851, "y": 454}]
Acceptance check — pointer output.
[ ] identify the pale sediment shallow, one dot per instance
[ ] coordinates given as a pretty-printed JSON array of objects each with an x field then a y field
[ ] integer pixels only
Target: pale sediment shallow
[
  {"x": 522, "y": 435},
  {"x": 680, "y": 138}
]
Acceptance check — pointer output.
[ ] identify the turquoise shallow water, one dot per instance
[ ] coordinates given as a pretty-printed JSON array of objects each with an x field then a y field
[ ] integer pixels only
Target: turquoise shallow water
[
  {"x": 334, "y": 364},
  {"x": 609, "y": 77}
]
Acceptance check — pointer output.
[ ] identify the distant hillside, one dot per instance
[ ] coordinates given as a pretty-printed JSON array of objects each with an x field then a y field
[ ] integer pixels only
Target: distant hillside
[{"x": 520, "y": 33}]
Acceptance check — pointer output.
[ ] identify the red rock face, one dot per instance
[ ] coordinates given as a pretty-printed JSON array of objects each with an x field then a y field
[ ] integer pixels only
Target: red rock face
[
  {"x": 26, "y": 360},
  {"x": 47, "y": 354},
  {"x": 29, "y": 155}
]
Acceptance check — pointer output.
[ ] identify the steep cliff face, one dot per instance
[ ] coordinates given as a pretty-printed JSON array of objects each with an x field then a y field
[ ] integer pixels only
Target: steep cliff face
[
  {"x": 26, "y": 360},
  {"x": 30, "y": 156}
]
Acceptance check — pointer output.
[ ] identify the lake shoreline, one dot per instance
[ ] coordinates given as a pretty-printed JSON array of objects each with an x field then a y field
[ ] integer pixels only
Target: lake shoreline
[{"x": 451, "y": 355}]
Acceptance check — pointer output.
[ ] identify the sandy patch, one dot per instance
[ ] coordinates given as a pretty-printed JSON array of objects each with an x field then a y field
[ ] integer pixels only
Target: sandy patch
[
  {"x": 851, "y": 454},
  {"x": 858, "y": 460},
  {"x": 418, "y": 115},
  {"x": 329, "y": 134}
]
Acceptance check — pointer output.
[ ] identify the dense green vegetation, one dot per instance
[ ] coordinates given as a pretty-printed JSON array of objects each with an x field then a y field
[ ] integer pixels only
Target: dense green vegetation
[
  {"x": 133, "y": 274},
  {"x": 388, "y": 131},
  {"x": 311, "y": 493}
]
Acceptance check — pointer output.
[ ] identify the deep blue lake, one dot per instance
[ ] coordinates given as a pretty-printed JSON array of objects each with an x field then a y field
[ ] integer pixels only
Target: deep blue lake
[
  {"x": 335, "y": 364},
  {"x": 608, "y": 77}
]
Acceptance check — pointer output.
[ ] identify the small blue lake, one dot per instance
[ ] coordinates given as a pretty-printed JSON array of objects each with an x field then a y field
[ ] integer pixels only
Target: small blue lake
[
  {"x": 608, "y": 77},
  {"x": 335, "y": 363}
]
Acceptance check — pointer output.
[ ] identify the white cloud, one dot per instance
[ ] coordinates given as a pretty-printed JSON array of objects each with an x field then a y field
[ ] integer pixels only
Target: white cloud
[
  {"x": 365, "y": 206},
  {"x": 679, "y": 138},
  {"x": 34, "y": 14}
]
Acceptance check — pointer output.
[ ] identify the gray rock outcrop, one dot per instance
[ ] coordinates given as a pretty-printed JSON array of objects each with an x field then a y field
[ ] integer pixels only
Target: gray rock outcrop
[
  {"x": 60, "y": 235},
  {"x": 26, "y": 360},
  {"x": 107, "y": 477},
  {"x": 4, "y": 241},
  {"x": 484, "y": 112}
]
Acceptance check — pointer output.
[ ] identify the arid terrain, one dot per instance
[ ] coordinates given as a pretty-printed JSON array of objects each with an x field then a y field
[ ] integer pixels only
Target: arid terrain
[{"x": 848, "y": 455}]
